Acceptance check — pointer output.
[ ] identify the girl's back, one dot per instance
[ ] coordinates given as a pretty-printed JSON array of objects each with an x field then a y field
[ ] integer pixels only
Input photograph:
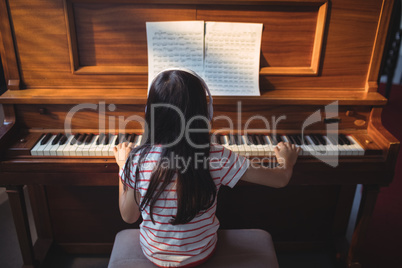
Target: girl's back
[{"x": 172, "y": 245}]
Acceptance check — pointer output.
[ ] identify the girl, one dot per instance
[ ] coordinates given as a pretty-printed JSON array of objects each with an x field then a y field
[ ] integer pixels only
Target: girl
[{"x": 172, "y": 179}]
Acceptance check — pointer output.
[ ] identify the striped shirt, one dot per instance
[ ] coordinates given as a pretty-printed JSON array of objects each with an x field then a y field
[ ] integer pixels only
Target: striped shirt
[{"x": 168, "y": 245}]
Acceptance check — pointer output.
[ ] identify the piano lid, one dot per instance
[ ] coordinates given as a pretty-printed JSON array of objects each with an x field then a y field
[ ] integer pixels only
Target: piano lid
[{"x": 70, "y": 51}]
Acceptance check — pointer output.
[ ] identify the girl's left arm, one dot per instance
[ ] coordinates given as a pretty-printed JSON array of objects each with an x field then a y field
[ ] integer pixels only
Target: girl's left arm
[{"x": 128, "y": 207}]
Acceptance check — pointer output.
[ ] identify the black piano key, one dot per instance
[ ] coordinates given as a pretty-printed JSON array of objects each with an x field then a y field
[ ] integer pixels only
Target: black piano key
[
  {"x": 333, "y": 139},
  {"x": 119, "y": 139},
  {"x": 315, "y": 141},
  {"x": 235, "y": 140},
  {"x": 46, "y": 138},
  {"x": 89, "y": 139},
  {"x": 239, "y": 139},
  {"x": 126, "y": 137},
  {"x": 305, "y": 141},
  {"x": 350, "y": 141},
  {"x": 81, "y": 139},
  {"x": 74, "y": 140},
  {"x": 63, "y": 140},
  {"x": 57, "y": 138},
  {"x": 296, "y": 139},
  {"x": 100, "y": 138},
  {"x": 321, "y": 139},
  {"x": 231, "y": 139},
  {"x": 315, "y": 136},
  {"x": 262, "y": 140},
  {"x": 218, "y": 138},
  {"x": 257, "y": 139},
  {"x": 249, "y": 139},
  {"x": 291, "y": 139},
  {"x": 106, "y": 140},
  {"x": 131, "y": 137},
  {"x": 274, "y": 141},
  {"x": 344, "y": 139},
  {"x": 269, "y": 139},
  {"x": 340, "y": 141},
  {"x": 224, "y": 139},
  {"x": 214, "y": 139}
]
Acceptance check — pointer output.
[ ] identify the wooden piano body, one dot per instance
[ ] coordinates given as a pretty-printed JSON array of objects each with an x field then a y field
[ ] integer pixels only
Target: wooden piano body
[{"x": 60, "y": 54}]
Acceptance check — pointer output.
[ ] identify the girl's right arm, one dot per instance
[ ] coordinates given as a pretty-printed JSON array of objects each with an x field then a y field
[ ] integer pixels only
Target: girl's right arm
[{"x": 277, "y": 177}]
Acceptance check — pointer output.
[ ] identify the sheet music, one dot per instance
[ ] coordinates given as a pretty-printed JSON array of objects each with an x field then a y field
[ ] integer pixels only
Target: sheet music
[
  {"x": 175, "y": 44},
  {"x": 232, "y": 58},
  {"x": 231, "y": 61}
]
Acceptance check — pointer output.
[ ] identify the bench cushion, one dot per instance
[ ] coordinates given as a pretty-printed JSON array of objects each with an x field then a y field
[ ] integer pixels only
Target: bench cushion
[{"x": 235, "y": 248}]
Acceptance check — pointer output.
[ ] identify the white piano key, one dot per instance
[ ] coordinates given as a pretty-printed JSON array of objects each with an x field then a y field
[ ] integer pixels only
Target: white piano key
[
  {"x": 79, "y": 151},
  {"x": 92, "y": 148},
  {"x": 358, "y": 149},
  {"x": 242, "y": 148},
  {"x": 331, "y": 149},
  {"x": 347, "y": 149},
  {"x": 264, "y": 148},
  {"x": 269, "y": 149},
  {"x": 260, "y": 149},
  {"x": 99, "y": 148},
  {"x": 38, "y": 148},
  {"x": 46, "y": 150},
  {"x": 314, "y": 147},
  {"x": 53, "y": 149},
  {"x": 307, "y": 148},
  {"x": 322, "y": 149},
  {"x": 112, "y": 144},
  {"x": 105, "y": 149},
  {"x": 60, "y": 149},
  {"x": 84, "y": 149},
  {"x": 251, "y": 149},
  {"x": 69, "y": 150},
  {"x": 342, "y": 150}
]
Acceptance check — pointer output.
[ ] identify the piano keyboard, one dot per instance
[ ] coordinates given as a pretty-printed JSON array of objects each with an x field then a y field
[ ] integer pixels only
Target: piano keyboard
[
  {"x": 251, "y": 144},
  {"x": 313, "y": 144},
  {"x": 81, "y": 144}
]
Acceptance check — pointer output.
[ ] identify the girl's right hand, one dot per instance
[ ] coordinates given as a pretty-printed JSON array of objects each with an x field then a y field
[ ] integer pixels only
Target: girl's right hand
[{"x": 286, "y": 154}]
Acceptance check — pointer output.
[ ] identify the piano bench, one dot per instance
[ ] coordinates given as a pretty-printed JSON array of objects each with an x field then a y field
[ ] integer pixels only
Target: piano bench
[{"x": 235, "y": 248}]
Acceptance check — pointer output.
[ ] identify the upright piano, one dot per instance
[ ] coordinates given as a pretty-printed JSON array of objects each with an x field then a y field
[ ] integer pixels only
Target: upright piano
[{"x": 83, "y": 63}]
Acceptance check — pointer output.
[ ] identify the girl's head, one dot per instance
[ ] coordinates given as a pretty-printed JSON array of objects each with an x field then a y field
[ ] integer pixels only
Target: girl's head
[{"x": 176, "y": 101}]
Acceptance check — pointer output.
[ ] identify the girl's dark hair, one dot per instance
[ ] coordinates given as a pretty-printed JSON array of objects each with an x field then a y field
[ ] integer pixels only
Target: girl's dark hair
[{"x": 195, "y": 188}]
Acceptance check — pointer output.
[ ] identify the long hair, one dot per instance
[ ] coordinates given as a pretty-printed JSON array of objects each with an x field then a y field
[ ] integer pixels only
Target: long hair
[{"x": 176, "y": 97}]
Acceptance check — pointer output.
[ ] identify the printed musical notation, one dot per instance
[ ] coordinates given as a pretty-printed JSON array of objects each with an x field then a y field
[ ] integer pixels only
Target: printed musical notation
[{"x": 229, "y": 62}]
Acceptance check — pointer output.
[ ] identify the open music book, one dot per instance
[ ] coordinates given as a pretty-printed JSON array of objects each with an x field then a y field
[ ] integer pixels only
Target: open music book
[{"x": 226, "y": 55}]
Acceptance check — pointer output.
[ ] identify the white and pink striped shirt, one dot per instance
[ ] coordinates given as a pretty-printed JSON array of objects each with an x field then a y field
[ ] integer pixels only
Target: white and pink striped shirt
[{"x": 168, "y": 245}]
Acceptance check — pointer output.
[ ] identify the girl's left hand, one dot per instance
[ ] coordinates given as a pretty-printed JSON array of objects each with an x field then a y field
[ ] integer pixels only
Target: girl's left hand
[{"x": 121, "y": 153}]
